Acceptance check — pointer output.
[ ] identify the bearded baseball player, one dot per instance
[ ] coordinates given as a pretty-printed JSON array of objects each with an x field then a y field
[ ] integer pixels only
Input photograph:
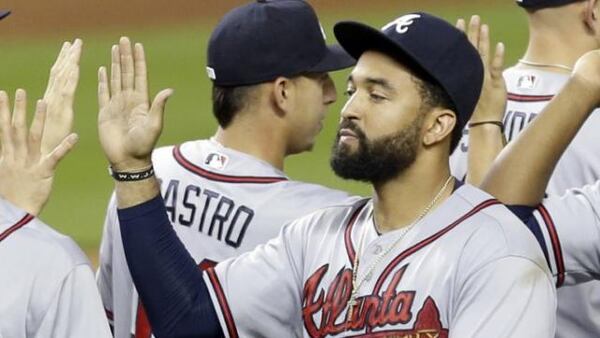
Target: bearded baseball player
[
  {"x": 47, "y": 285},
  {"x": 425, "y": 255},
  {"x": 227, "y": 194},
  {"x": 560, "y": 32}
]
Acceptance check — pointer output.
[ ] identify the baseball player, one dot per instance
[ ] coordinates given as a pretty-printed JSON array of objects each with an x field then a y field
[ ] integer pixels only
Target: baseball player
[
  {"x": 227, "y": 194},
  {"x": 47, "y": 285},
  {"x": 560, "y": 32},
  {"x": 424, "y": 256}
]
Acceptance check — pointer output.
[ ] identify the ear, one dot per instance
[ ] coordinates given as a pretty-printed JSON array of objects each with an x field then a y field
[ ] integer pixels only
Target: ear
[
  {"x": 590, "y": 15},
  {"x": 438, "y": 126},
  {"x": 283, "y": 94}
]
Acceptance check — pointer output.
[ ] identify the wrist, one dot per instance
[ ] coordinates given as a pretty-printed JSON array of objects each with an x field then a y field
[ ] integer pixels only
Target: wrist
[{"x": 131, "y": 165}]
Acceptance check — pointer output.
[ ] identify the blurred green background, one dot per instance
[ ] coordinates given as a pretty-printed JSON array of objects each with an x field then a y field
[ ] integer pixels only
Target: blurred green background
[{"x": 175, "y": 34}]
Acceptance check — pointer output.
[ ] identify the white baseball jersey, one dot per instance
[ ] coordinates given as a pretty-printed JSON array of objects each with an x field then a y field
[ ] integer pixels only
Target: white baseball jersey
[
  {"x": 529, "y": 90},
  {"x": 569, "y": 227},
  {"x": 221, "y": 202},
  {"x": 470, "y": 268},
  {"x": 47, "y": 286}
]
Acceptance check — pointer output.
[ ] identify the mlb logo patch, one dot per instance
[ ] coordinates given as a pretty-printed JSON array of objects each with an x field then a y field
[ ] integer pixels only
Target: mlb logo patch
[
  {"x": 527, "y": 82},
  {"x": 216, "y": 161}
]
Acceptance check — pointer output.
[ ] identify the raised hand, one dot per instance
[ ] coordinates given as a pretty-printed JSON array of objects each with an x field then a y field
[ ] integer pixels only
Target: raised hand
[
  {"x": 492, "y": 102},
  {"x": 59, "y": 95},
  {"x": 128, "y": 125},
  {"x": 26, "y": 173}
]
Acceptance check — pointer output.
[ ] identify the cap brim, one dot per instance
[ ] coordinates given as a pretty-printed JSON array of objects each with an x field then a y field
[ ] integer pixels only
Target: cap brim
[
  {"x": 356, "y": 38},
  {"x": 335, "y": 58},
  {"x": 4, "y": 14}
]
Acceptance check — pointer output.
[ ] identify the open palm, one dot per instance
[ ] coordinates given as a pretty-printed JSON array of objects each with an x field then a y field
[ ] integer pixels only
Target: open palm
[{"x": 128, "y": 125}]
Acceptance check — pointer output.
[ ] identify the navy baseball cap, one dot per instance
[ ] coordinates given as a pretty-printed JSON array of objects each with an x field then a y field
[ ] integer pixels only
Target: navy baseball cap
[
  {"x": 3, "y": 14},
  {"x": 537, "y": 4},
  {"x": 429, "y": 46},
  {"x": 266, "y": 39}
]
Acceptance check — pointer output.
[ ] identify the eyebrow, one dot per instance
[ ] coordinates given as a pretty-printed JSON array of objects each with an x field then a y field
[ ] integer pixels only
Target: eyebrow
[{"x": 376, "y": 81}]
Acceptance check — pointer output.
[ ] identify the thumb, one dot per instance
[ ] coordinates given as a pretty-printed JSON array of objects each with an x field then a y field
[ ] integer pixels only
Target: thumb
[
  {"x": 67, "y": 144},
  {"x": 157, "y": 110}
]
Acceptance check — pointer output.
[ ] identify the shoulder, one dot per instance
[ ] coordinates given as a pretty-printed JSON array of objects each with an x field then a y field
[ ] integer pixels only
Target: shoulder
[
  {"x": 315, "y": 194},
  {"x": 56, "y": 249},
  {"x": 495, "y": 232}
]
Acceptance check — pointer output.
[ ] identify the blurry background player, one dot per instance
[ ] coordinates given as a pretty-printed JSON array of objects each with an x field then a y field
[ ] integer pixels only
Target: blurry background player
[
  {"x": 47, "y": 286},
  {"x": 229, "y": 193},
  {"x": 560, "y": 31}
]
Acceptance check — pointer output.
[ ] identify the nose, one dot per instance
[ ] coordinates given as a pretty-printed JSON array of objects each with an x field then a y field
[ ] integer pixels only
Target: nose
[
  {"x": 329, "y": 92},
  {"x": 349, "y": 111}
]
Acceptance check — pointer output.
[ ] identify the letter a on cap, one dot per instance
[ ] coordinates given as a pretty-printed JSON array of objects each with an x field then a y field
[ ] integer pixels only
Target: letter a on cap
[{"x": 402, "y": 23}]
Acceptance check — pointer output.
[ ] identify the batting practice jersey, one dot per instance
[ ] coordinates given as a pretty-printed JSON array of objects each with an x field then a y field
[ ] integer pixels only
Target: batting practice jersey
[
  {"x": 470, "y": 268},
  {"x": 529, "y": 90},
  {"x": 47, "y": 286},
  {"x": 221, "y": 203}
]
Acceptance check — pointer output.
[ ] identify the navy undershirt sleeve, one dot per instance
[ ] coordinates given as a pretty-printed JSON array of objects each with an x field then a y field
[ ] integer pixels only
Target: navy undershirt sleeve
[
  {"x": 525, "y": 214},
  {"x": 168, "y": 281}
]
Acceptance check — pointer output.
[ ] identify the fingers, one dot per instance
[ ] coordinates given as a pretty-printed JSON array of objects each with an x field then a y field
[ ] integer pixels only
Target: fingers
[
  {"x": 115, "y": 71},
  {"x": 103, "y": 90},
  {"x": 474, "y": 31},
  {"x": 5, "y": 125},
  {"x": 158, "y": 107},
  {"x": 484, "y": 44},
  {"x": 497, "y": 64},
  {"x": 19, "y": 123},
  {"x": 460, "y": 24},
  {"x": 35, "y": 131},
  {"x": 127, "y": 67},
  {"x": 141, "y": 77},
  {"x": 51, "y": 160},
  {"x": 57, "y": 67}
]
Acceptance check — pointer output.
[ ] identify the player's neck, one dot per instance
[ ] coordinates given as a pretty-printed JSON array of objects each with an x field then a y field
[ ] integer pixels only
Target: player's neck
[
  {"x": 254, "y": 140},
  {"x": 400, "y": 201},
  {"x": 557, "y": 46}
]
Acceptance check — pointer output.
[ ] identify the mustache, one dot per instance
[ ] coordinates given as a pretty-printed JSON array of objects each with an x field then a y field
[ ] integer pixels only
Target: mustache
[{"x": 348, "y": 124}]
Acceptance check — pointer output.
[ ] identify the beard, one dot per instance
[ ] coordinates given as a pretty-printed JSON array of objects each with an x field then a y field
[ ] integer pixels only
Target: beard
[{"x": 378, "y": 160}]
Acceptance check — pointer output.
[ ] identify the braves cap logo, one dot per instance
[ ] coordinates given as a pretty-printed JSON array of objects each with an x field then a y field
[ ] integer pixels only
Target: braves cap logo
[{"x": 402, "y": 23}]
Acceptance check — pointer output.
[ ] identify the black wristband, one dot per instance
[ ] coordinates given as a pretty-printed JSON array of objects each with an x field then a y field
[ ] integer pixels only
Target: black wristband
[
  {"x": 496, "y": 123},
  {"x": 131, "y": 176}
]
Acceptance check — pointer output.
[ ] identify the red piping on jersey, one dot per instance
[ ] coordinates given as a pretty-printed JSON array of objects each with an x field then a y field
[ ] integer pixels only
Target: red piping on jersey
[
  {"x": 26, "y": 219},
  {"x": 214, "y": 280},
  {"x": 426, "y": 242},
  {"x": 529, "y": 98},
  {"x": 184, "y": 162},
  {"x": 109, "y": 314},
  {"x": 348, "y": 234},
  {"x": 556, "y": 247}
]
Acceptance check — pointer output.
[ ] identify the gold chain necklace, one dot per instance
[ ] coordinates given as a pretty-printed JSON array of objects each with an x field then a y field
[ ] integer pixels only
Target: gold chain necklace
[
  {"x": 367, "y": 275},
  {"x": 546, "y": 65}
]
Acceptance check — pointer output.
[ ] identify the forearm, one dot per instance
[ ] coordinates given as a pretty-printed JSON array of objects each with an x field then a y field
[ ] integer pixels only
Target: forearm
[
  {"x": 169, "y": 283},
  {"x": 522, "y": 171},
  {"x": 485, "y": 143}
]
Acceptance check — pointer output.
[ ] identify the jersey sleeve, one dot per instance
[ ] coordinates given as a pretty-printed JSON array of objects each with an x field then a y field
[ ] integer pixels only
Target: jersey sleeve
[
  {"x": 508, "y": 297},
  {"x": 105, "y": 268},
  {"x": 458, "y": 159},
  {"x": 570, "y": 226},
  {"x": 76, "y": 309},
  {"x": 267, "y": 280}
]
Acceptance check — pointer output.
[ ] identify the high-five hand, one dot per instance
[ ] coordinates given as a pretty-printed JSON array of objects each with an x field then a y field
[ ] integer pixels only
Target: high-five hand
[
  {"x": 26, "y": 174},
  {"x": 128, "y": 125}
]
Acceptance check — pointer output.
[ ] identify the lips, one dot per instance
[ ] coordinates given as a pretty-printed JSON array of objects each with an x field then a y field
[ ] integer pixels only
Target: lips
[{"x": 347, "y": 133}]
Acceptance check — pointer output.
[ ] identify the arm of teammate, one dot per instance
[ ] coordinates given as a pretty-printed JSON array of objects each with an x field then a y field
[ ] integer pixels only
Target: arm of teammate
[
  {"x": 545, "y": 139},
  {"x": 26, "y": 174},
  {"x": 168, "y": 281},
  {"x": 486, "y": 140},
  {"x": 75, "y": 309}
]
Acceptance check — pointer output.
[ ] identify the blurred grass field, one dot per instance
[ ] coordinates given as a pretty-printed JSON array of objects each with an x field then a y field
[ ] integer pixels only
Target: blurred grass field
[{"x": 176, "y": 57}]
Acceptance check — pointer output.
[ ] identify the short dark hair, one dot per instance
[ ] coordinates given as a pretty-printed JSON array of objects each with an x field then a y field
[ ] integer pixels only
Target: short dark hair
[
  {"x": 228, "y": 101},
  {"x": 433, "y": 95}
]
